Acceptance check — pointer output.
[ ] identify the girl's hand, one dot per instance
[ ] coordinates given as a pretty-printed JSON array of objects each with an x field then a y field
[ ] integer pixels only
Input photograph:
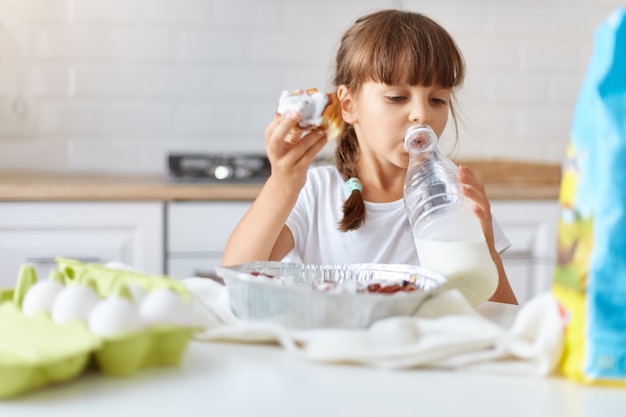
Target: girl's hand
[
  {"x": 474, "y": 189},
  {"x": 290, "y": 154},
  {"x": 262, "y": 235}
]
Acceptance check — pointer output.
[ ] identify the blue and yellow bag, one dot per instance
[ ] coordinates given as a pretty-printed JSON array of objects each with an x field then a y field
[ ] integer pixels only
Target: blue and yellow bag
[{"x": 590, "y": 275}]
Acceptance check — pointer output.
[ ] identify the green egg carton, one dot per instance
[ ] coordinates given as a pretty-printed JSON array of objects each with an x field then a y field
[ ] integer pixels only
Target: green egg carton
[
  {"x": 124, "y": 355},
  {"x": 6, "y": 294},
  {"x": 35, "y": 351},
  {"x": 107, "y": 279}
]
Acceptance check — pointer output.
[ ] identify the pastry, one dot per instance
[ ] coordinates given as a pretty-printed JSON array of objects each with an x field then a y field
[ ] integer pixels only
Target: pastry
[{"x": 317, "y": 109}]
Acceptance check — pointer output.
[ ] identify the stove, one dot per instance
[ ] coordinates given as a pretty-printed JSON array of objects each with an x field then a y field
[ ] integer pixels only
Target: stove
[{"x": 214, "y": 168}]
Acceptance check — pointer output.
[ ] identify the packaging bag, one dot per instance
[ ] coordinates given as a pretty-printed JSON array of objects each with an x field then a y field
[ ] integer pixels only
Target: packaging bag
[{"x": 590, "y": 275}]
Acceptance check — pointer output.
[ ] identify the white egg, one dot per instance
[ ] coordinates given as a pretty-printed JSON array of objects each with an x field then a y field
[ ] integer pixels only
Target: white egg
[
  {"x": 74, "y": 302},
  {"x": 164, "y": 307},
  {"x": 114, "y": 316},
  {"x": 40, "y": 297}
]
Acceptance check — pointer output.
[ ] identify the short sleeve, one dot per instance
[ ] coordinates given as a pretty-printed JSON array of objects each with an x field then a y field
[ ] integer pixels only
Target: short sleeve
[{"x": 501, "y": 242}]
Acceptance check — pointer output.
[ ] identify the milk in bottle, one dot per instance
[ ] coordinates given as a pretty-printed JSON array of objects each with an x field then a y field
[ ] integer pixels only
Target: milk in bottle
[{"x": 448, "y": 236}]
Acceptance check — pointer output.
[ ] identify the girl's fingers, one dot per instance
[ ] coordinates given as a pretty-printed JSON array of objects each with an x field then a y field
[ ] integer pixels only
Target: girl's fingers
[
  {"x": 293, "y": 136},
  {"x": 474, "y": 189},
  {"x": 302, "y": 152},
  {"x": 280, "y": 128},
  {"x": 467, "y": 177},
  {"x": 471, "y": 182},
  {"x": 287, "y": 125},
  {"x": 312, "y": 143},
  {"x": 290, "y": 150}
]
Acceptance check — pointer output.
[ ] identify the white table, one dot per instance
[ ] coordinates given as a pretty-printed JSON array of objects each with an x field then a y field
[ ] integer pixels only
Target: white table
[{"x": 222, "y": 379}]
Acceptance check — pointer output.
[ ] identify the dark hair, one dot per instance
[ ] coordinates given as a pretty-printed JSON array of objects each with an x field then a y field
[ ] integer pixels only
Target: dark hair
[{"x": 390, "y": 47}]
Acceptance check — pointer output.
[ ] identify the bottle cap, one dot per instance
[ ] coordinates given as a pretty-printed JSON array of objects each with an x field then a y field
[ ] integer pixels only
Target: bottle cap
[{"x": 419, "y": 138}]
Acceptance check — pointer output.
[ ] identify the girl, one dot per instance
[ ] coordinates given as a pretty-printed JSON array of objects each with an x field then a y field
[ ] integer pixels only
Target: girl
[{"x": 393, "y": 69}]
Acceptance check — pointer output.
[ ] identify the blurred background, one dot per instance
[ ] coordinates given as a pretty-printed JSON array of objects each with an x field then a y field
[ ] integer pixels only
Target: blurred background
[{"x": 113, "y": 86}]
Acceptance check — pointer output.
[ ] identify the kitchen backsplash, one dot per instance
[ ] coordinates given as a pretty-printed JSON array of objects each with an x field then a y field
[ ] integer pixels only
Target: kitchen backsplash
[{"x": 115, "y": 85}]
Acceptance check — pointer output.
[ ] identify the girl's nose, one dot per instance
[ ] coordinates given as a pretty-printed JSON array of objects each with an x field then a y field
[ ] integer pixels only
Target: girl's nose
[{"x": 420, "y": 113}]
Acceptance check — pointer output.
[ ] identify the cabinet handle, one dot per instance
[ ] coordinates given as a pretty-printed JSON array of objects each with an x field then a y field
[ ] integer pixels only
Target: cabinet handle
[{"x": 46, "y": 260}]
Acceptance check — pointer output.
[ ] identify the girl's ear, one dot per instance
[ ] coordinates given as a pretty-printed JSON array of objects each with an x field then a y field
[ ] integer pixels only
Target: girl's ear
[{"x": 348, "y": 105}]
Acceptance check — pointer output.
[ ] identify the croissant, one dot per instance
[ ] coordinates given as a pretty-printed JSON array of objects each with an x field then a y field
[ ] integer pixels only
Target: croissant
[{"x": 318, "y": 110}]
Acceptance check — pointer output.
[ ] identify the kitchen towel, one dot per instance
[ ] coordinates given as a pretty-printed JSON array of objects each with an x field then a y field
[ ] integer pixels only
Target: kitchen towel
[{"x": 446, "y": 333}]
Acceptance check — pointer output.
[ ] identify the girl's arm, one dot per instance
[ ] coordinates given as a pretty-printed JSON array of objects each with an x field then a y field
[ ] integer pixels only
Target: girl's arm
[
  {"x": 261, "y": 234},
  {"x": 475, "y": 190}
]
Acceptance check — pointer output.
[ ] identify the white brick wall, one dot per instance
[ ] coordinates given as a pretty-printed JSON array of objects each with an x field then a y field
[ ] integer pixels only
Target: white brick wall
[{"x": 114, "y": 85}]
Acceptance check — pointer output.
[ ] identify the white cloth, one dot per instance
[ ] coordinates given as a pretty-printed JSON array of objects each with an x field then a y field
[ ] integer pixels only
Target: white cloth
[
  {"x": 385, "y": 237},
  {"x": 446, "y": 333}
]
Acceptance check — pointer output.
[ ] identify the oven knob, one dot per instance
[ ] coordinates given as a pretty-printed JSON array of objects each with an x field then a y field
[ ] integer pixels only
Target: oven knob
[
  {"x": 243, "y": 172},
  {"x": 223, "y": 172}
]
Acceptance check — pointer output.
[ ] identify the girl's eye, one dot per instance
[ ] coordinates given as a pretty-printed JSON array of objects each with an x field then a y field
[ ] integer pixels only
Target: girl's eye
[
  {"x": 396, "y": 99},
  {"x": 438, "y": 101}
]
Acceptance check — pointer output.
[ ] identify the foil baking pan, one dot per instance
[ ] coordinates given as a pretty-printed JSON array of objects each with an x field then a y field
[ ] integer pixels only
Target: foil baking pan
[{"x": 295, "y": 304}]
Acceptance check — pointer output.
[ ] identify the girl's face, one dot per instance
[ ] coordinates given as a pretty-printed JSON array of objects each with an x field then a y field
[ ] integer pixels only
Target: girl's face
[{"x": 382, "y": 113}]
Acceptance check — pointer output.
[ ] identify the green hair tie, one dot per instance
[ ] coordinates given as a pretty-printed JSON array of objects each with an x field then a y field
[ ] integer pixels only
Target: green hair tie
[{"x": 354, "y": 184}]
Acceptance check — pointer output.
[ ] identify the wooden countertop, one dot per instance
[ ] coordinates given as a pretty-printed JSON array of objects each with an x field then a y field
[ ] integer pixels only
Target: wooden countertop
[
  {"x": 504, "y": 180},
  {"x": 518, "y": 180},
  {"x": 32, "y": 186}
]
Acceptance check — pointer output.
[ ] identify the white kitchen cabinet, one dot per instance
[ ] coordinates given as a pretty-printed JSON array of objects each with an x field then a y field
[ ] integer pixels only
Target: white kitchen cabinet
[
  {"x": 197, "y": 233},
  {"x": 531, "y": 226},
  {"x": 37, "y": 232}
]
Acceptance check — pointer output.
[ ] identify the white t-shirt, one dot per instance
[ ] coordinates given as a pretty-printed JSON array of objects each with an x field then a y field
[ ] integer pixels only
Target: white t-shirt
[{"x": 384, "y": 237}]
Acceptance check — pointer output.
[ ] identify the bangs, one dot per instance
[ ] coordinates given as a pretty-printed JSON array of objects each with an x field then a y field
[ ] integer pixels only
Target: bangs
[{"x": 402, "y": 48}]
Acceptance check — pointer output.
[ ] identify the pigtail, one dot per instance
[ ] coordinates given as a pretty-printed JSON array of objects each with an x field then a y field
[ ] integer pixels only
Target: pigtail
[{"x": 347, "y": 155}]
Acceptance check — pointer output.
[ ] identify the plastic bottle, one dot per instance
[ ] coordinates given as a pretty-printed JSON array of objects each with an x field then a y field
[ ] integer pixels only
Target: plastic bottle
[{"x": 447, "y": 234}]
